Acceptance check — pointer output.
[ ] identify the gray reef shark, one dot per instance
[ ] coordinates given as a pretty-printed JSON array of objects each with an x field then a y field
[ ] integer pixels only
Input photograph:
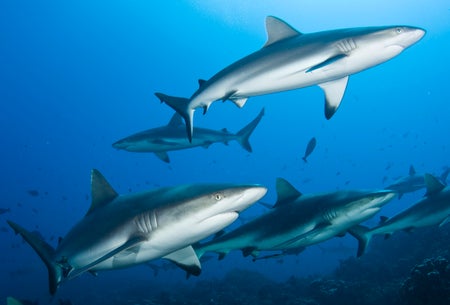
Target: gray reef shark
[
  {"x": 173, "y": 137},
  {"x": 433, "y": 209},
  {"x": 297, "y": 221},
  {"x": 124, "y": 230},
  {"x": 413, "y": 182},
  {"x": 292, "y": 60}
]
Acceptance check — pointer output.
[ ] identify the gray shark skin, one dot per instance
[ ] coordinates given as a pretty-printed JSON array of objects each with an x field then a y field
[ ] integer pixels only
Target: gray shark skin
[
  {"x": 433, "y": 209},
  {"x": 297, "y": 221},
  {"x": 119, "y": 231},
  {"x": 292, "y": 60},
  {"x": 173, "y": 137}
]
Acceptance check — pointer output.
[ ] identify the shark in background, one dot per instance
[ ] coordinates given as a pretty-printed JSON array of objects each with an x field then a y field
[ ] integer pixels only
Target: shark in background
[
  {"x": 297, "y": 221},
  {"x": 433, "y": 209},
  {"x": 414, "y": 182},
  {"x": 119, "y": 231},
  {"x": 292, "y": 60},
  {"x": 173, "y": 137}
]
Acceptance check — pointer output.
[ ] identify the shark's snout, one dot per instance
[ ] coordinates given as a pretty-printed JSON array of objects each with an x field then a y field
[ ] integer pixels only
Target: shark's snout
[
  {"x": 411, "y": 35},
  {"x": 120, "y": 145},
  {"x": 248, "y": 197}
]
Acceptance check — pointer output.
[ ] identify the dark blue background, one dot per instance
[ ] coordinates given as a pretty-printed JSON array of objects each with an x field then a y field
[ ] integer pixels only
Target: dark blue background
[{"x": 75, "y": 76}]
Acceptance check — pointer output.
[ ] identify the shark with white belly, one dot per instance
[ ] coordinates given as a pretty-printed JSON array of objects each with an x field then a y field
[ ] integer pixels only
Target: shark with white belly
[
  {"x": 171, "y": 137},
  {"x": 292, "y": 60},
  {"x": 124, "y": 230},
  {"x": 297, "y": 221},
  {"x": 433, "y": 209}
]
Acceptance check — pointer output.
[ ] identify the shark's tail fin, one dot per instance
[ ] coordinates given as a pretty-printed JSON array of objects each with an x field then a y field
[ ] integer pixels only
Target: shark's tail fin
[
  {"x": 363, "y": 235},
  {"x": 45, "y": 252},
  {"x": 180, "y": 105},
  {"x": 244, "y": 134}
]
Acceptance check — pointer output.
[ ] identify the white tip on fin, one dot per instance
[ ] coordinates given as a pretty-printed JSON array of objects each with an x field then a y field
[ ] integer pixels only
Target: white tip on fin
[
  {"x": 334, "y": 92},
  {"x": 278, "y": 30}
]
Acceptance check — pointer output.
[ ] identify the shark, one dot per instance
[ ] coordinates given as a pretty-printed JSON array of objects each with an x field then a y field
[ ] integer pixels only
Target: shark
[
  {"x": 413, "y": 182},
  {"x": 291, "y": 60},
  {"x": 433, "y": 209},
  {"x": 119, "y": 231},
  {"x": 297, "y": 221},
  {"x": 173, "y": 137}
]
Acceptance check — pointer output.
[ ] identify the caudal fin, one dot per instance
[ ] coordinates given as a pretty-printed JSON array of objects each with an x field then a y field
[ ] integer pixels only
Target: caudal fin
[
  {"x": 180, "y": 105},
  {"x": 363, "y": 235},
  {"x": 244, "y": 134},
  {"x": 45, "y": 252}
]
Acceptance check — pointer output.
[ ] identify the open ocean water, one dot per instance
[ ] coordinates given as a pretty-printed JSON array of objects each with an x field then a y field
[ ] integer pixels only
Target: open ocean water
[{"x": 76, "y": 76}]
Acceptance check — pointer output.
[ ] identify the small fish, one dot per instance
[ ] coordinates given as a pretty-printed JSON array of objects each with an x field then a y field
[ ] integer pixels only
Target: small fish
[
  {"x": 309, "y": 148},
  {"x": 3, "y": 210},
  {"x": 33, "y": 193}
]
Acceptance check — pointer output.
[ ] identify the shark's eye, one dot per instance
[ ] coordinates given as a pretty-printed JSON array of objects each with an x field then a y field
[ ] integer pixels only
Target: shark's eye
[
  {"x": 398, "y": 30},
  {"x": 218, "y": 196}
]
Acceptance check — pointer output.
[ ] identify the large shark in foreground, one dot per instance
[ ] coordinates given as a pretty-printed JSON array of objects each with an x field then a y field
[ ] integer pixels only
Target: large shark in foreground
[
  {"x": 433, "y": 209},
  {"x": 291, "y": 60},
  {"x": 173, "y": 137},
  {"x": 297, "y": 221},
  {"x": 121, "y": 231}
]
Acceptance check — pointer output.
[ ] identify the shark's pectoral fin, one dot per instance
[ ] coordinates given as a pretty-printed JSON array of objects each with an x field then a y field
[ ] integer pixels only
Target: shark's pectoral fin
[
  {"x": 334, "y": 92},
  {"x": 327, "y": 62},
  {"x": 186, "y": 259},
  {"x": 239, "y": 101},
  {"x": 132, "y": 242},
  {"x": 163, "y": 156}
]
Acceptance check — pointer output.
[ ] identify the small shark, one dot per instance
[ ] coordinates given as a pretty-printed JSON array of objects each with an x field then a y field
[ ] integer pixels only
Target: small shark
[
  {"x": 413, "y": 182},
  {"x": 124, "y": 230},
  {"x": 292, "y": 60},
  {"x": 433, "y": 209},
  {"x": 297, "y": 221},
  {"x": 173, "y": 137}
]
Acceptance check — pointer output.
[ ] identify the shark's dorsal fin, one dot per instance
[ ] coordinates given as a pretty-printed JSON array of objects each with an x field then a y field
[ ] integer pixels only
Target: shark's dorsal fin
[
  {"x": 412, "y": 171},
  {"x": 176, "y": 120},
  {"x": 433, "y": 185},
  {"x": 201, "y": 82},
  {"x": 186, "y": 259},
  {"x": 285, "y": 192},
  {"x": 102, "y": 191},
  {"x": 278, "y": 30}
]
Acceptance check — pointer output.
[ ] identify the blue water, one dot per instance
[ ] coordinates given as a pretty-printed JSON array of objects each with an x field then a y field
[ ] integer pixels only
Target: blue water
[{"x": 75, "y": 77}]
